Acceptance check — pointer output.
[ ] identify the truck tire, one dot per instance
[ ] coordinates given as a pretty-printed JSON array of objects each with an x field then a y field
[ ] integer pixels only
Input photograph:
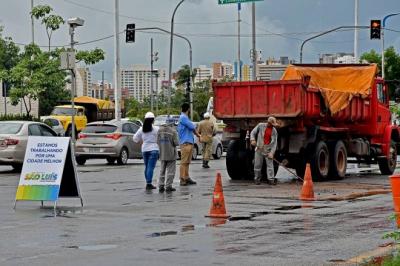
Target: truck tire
[
  {"x": 387, "y": 166},
  {"x": 320, "y": 162},
  {"x": 338, "y": 163},
  {"x": 239, "y": 161}
]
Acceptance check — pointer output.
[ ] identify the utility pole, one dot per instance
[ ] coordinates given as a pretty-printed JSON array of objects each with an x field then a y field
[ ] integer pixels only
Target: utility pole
[
  {"x": 170, "y": 54},
  {"x": 356, "y": 30},
  {"x": 117, "y": 76},
  {"x": 239, "y": 69},
  {"x": 254, "y": 51},
  {"x": 156, "y": 92},
  {"x": 102, "y": 83},
  {"x": 151, "y": 76},
  {"x": 33, "y": 24}
]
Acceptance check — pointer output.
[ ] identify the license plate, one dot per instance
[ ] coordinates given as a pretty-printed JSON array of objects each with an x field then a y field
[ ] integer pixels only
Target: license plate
[{"x": 94, "y": 150}]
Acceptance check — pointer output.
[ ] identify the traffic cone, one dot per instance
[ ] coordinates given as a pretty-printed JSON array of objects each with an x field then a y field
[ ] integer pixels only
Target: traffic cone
[
  {"x": 395, "y": 183},
  {"x": 217, "y": 209},
  {"x": 307, "y": 191}
]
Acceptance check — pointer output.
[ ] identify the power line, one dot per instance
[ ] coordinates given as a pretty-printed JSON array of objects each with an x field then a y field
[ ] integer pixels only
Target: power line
[{"x": 148, "y": 20}]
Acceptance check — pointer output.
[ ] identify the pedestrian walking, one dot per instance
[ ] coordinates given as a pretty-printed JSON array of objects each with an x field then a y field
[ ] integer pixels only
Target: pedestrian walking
[
  {"x": 186, "y": 132},
  {"x": 167, "y": 140},
  {"x": 206, "y": 130},
  {"x": 150, "y": 151},
  {"x": 264, "y": 137}
]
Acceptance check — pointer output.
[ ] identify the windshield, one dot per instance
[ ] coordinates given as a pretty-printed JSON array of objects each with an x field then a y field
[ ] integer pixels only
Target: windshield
[
  {"x": 10, "y": 128},
  {"x": 63, "y": 111},
  {"x": 160, "y": 120},
  {"x": 99, "y": 129}
]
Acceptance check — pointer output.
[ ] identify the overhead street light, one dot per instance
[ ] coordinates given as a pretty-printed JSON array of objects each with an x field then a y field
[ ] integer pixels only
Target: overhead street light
[
  {"x": 170, "y": 54},
  {"x": 383, "y": 41}
]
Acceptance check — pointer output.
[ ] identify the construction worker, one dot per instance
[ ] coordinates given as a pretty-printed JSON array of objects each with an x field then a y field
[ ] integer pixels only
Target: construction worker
[
  {"x": 167, "y": 140},
  {"x": 264, "y": 137},
  {"x": 206, "y": 130}
]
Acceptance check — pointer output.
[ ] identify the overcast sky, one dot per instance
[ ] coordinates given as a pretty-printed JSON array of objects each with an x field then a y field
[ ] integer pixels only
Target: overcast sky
[{"x": 210, "y": 27}]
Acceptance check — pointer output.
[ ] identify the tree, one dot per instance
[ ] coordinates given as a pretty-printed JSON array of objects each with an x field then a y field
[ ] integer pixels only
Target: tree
[
  {"x": 52, "y": 22},
  {"x": 392, "y": 64},
  {"x": 8, "y": 52},
  {"x": 183, "y": 75}
]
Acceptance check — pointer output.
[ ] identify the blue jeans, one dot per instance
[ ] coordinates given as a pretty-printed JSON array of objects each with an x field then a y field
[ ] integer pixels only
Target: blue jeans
[{"x": 150, "y": 159}]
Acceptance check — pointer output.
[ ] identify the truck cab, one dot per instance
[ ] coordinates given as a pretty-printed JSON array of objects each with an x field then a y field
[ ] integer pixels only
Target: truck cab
[{"x": 64, "y": 114}]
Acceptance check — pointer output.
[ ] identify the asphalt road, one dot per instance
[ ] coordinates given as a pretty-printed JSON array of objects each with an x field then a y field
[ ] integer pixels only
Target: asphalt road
[{"x": 122, "y": 224}]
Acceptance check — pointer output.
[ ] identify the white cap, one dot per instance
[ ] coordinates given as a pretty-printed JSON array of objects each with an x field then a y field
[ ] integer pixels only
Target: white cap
[
  {"x": 149, "y": 115},
  {"x": 206, "y": 115}
]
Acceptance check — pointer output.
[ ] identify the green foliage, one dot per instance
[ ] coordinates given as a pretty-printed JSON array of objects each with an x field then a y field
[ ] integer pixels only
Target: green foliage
[
  {"x": 8, "y": 53},
  {"x": 52, "y": 22},
  {"x": 14, "y": 117},
  {"x": 183, "y": 75},
  {"x": 392, "y": 64},
  {"x": 392, "y": 261},
  {"x": 90, "y": 57}
]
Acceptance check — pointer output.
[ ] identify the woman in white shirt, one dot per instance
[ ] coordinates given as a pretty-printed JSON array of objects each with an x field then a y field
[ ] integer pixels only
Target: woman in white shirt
[{"x": 150, "y": 151}]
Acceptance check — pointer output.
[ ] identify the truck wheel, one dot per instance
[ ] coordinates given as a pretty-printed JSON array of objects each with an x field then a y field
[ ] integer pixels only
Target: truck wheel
[
  {"x": 123, "y": 156},
  {"x": 338, "y": 163},
  {"x": 387, "y": 166},
  {"x": 80, "y": 161},
  {"x": 320, "y": 161},
  {"x": 239, "y": 161}
]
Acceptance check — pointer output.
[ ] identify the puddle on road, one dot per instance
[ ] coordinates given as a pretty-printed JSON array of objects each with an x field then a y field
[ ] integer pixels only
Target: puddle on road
[
  {"x": 166, "y": 233},
  {"x": 93, "y": 247},
  {"x": 188, "y": 227}
]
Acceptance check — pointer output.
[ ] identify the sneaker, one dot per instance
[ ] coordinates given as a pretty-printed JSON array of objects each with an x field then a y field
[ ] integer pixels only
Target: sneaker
[
  {"x": 257, "y": 182},
  {"x": 161, "y": 189},
  {"x": 272, "y": 182},
  {"x": 170, "y": 189},
  {"x": 183, "y": 182},
  {"x": 150, "y": 186},
  {"x": 190, "y": 181}
]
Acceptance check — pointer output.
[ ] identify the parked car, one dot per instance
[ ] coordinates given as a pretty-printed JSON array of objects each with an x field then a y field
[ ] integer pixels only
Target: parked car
[
  {"x": 111, "y": 140},
  {"x": 161, "y": 119},
  {"x": 133, "y": 120},
  {"x": 54, "y": 123},
  {"x": 14, "y": 138}
]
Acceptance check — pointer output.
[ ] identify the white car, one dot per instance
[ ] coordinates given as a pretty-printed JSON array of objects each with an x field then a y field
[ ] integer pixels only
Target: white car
[{"x": 54, "y": 123}]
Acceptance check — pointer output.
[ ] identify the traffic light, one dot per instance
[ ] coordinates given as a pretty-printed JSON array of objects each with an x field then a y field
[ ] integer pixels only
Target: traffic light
[
  {"x": 130, "y": 33},
  {"x": 375, "y": 29}
]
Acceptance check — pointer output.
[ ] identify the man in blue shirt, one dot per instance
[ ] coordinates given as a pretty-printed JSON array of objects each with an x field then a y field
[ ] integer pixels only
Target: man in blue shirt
[{"x": 186, "y": 132}]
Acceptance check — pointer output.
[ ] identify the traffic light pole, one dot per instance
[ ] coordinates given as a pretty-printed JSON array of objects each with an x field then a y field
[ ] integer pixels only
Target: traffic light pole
[
  {"x": 383, "y": 41},
  {"x": 324, "y": 33},
  {"x": 151, "y": 76}
]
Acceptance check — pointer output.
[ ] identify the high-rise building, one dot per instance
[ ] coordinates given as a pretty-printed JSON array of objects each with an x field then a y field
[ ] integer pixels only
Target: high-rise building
[
  {"x": 83, "y": 81},
  {"x": 246, "y": 73},
  {"x": 331, "y": 58},
  {"x": 136, "y": 80},
  {"x": 98, "y": 90},
  {"x": 222, "y": 70},
  {"x": 270, "y": 72},
  {"x": 203, "y": 73}
]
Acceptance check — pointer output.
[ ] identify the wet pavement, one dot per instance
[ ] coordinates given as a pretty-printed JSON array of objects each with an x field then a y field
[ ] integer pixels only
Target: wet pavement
[{"x": 122, "y": 224}]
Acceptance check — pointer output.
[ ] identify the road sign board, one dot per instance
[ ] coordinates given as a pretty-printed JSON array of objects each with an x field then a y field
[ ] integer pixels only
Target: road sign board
[{"x": 223, "y": 2}]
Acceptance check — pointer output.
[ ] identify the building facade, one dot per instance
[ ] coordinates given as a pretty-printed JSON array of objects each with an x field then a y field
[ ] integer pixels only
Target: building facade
[
  {"x": 137, "y": 81},
  {"x": 83, "y": 81},
  {"x": 203, "y": 73},
  {"x": 333, "y": 58}
]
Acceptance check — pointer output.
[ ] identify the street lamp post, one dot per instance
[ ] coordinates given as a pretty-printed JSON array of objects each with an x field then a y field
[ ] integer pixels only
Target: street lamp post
[
  {"x": 73, "y": 23},
  {"x": 153, "y": 58},
  {"x": 383, "y": 41},
  {"x": 170, "y": 54}
]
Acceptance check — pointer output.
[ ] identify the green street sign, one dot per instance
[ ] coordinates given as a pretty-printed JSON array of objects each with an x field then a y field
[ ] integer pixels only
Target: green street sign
[{"x": 223, "y": 2}]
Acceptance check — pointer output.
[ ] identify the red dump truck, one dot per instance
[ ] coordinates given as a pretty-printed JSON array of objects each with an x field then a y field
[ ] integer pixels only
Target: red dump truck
[{"x": 326, "y": 114}]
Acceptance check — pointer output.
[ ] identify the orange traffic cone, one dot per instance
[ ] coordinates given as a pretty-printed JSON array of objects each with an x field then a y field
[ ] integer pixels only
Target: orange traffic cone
[
  {"x": 217, "y": 209},
  {"x": 307, "y": 192},
  {"x": 395, "y": 183}
]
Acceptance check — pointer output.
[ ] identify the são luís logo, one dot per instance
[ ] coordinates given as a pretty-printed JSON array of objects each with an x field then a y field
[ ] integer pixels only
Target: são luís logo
[{"x": 41, "y": 177}]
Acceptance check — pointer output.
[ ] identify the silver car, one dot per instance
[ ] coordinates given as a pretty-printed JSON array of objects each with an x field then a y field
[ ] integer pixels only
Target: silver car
[
  {"x": 217, "y": 148},
  {"x": 111, "y": 140},
  {"x": 14, "y": 138}
]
